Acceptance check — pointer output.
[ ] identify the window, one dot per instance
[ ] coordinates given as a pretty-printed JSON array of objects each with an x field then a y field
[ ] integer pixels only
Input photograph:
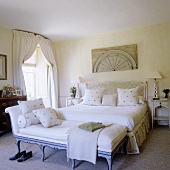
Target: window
[
  {"x": 35, "y": 75},
  {"x": 30, "y": 81}
]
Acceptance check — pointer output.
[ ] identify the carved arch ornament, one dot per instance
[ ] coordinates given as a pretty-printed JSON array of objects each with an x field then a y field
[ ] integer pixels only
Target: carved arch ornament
[{"x": 113, "y": 60}]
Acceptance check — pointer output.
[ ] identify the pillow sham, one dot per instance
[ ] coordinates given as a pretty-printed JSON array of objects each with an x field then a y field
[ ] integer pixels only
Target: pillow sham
[
  {"x": 47, "y": 117},
  {"x": 92, "y": 97},
  {"x": 28, "y": 106},
  {"x": 127, "y": 97},
  {"x": 109, "y": 100}
]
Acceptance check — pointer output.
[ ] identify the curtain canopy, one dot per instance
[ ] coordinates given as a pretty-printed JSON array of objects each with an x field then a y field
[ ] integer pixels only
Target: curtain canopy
[{"x": 24, "y": 45}]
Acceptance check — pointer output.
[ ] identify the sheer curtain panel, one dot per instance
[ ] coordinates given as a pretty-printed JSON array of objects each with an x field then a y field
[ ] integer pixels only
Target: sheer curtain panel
[
  {"x": 24, "y": 45},
  {"x": 45, "y": 45}
]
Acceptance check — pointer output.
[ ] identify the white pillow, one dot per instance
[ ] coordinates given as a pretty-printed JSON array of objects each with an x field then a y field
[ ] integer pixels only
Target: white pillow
[
  {"x": 127, "y": 97},
  {"x": 141, "y": 99},
  {"x": 28, "y": 106},
  {"x": 47, "y": 117},
  {"x": 27, "y": 119},
  {"x": 92, "y": 97},
  {"x": 109, "y": 100},
  {"x": 24, "y": 121}
]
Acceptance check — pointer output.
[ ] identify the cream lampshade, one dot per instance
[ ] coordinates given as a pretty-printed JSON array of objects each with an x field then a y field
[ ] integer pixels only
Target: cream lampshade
[{"x": 154, "y": 75}]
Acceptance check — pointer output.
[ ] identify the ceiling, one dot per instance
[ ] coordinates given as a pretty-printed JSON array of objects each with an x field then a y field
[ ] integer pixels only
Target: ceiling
[{"x": 62, "y": 20}]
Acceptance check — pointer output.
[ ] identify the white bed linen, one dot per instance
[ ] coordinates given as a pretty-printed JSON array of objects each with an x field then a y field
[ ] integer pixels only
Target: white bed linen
[{"x": 129, "y": 116}]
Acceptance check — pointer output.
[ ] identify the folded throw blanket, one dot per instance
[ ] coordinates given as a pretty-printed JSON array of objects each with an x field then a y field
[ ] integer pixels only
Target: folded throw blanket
[
  {"x": 82, "y": 145},
  {"x": 91, "y": 126}
]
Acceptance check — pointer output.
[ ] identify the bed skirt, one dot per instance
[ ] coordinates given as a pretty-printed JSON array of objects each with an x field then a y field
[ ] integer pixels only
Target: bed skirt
[{"x": 137, "y": 137}]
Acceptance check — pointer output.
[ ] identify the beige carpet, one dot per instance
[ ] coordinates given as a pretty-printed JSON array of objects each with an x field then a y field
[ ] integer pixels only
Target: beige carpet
[{"x": 155, "y": 155}]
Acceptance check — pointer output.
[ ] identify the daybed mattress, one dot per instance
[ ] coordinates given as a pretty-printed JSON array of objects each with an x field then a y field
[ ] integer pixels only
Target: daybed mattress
[
  {"x": 108, "y": 138},
  {"x": 128, "y": 116}
]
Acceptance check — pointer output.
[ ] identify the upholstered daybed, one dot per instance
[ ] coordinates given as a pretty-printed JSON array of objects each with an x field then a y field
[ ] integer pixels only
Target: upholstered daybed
[{"x": 109, "y": 140}]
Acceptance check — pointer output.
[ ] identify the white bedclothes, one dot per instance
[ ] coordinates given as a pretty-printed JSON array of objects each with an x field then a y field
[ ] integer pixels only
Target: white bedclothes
[{"x": 129, "y": 116}]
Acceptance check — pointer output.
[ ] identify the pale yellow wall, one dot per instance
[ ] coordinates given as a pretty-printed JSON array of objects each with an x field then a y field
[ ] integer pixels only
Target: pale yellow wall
[
  {"x": 74, "y": 57},
  {"x": 153, "y": 44},
  {"x": 6, "y": 49}
]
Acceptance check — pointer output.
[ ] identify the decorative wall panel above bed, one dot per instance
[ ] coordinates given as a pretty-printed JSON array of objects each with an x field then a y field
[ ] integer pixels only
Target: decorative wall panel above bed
[{"x": 114, "y": 58}]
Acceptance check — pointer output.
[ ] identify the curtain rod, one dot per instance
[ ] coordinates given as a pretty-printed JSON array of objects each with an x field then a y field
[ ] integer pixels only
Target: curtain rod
[{"x": 32, "y": 33}]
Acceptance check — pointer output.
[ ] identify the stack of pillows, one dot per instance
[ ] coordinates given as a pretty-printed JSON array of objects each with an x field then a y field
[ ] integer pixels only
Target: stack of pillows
[
  {"x": 124, "y": 97},
  {"x": 34, "y": 112}
]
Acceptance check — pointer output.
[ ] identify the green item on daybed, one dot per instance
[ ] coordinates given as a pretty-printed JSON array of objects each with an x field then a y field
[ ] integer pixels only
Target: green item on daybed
[{"x": 91, "y": 126}]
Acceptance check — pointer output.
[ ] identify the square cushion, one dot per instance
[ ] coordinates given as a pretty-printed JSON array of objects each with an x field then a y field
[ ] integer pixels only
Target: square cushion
[
  {"x": 109, "y": 100},
  {"x": 47, "y": 117},
  {"x": 28, "y": 106},
  {"x": 127, "y": 97},
  {"x": 92, "y": 97}
]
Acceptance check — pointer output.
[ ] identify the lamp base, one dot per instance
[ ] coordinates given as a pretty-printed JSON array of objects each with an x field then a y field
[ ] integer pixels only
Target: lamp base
[{"x": 156, "y": 98}]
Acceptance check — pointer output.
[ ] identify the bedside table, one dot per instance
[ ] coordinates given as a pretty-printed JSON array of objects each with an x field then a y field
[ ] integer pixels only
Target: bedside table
[
  {"x": 164, "y": 102},
  {"x": 70, "y": 101}
]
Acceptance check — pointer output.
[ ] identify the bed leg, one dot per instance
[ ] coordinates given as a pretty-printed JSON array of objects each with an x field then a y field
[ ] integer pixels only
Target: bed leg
[
  {"x": 73, "y": 164},
  {"x": 124, "y": 145},
  {"x": 109, "y": 162},
  {"x": 18, "y": 145},
  {"x": 122, "y": 149},
  {"x": 42, "y": 148}
]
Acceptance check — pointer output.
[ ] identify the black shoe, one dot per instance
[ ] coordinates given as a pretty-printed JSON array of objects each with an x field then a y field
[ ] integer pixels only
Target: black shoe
[
  {"x": 25, "y": 156},
  {"x": 16, "y": 156}
]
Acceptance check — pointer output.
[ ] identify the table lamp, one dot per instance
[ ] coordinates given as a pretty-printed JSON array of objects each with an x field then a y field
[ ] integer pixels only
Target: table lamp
[{"x": 154, "y": 75}]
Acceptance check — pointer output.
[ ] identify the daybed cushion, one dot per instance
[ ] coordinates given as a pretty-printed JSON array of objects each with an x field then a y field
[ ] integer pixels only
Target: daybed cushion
[
  {"x": 27, "y": 119},
  {"x": 108, "y": 138},
  {"x": 47, "y": 117},
  {"x": 56, "y": 133},
  {"x": 24, "y": 120},
  {"x": 28, "y": 106},
  {"x": 111, "y": 136}
]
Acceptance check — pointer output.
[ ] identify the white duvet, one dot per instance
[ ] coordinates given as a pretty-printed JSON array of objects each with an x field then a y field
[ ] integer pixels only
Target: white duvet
[{"x": 129, "y": 116}]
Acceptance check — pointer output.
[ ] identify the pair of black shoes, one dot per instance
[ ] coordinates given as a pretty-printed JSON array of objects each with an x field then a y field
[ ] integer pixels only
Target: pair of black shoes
[{"x": 21, "y": 156}]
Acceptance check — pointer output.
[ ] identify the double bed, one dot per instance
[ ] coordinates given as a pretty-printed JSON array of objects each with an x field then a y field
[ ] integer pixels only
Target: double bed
[{"x": 134, "y": 116}]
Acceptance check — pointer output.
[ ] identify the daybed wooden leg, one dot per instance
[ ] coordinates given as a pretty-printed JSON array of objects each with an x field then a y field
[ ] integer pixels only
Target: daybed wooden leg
[
  {"x": 73, "y": 164},
  {"x": 42, "y": 148},
  {"x": 18, "y": 145},
  {"x": 109, "y": 162}
]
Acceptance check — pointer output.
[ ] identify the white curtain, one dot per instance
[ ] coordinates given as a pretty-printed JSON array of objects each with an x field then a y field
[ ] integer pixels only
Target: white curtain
[
  {"x": 52, "y": 72},
  {"x": 24, "y": 45}
]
